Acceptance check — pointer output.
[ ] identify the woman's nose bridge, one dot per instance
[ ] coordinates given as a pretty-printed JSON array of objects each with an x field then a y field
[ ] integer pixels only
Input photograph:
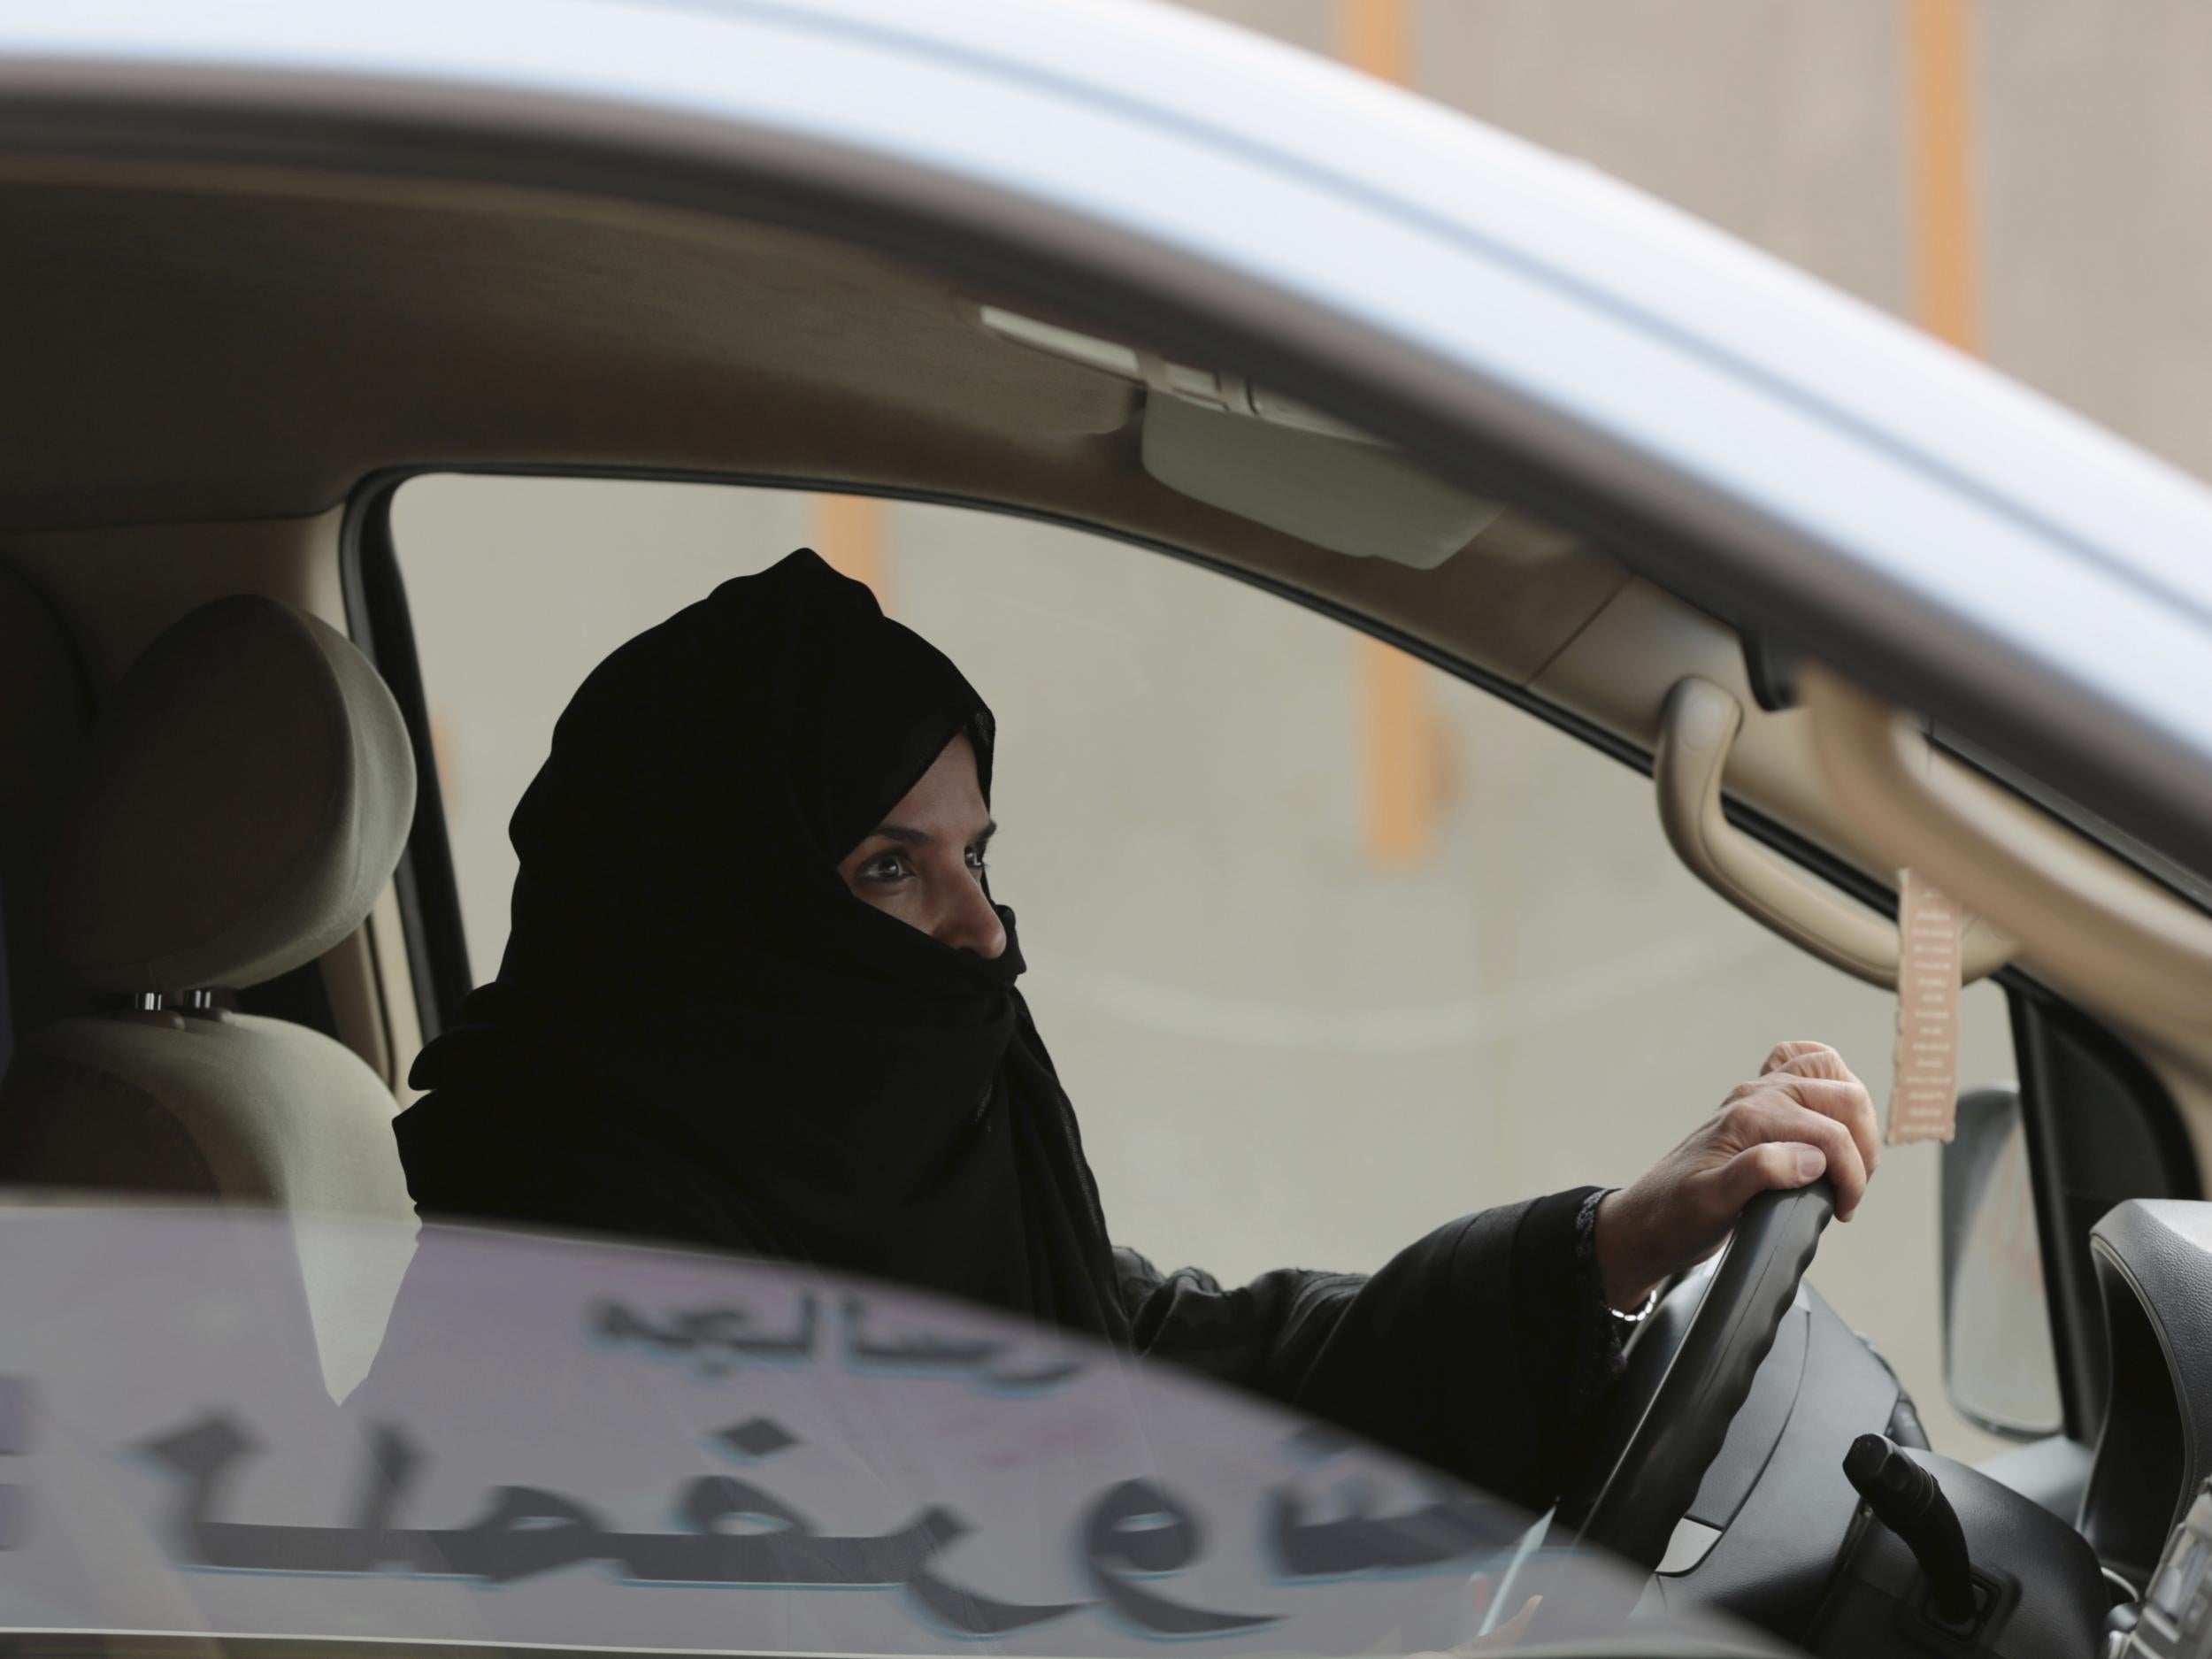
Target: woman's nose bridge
[{"x": 969, "y": 919}]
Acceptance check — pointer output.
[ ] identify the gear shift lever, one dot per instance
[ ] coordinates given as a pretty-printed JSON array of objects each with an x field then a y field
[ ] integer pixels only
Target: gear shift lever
[{"x": 1909, "y": 1500}]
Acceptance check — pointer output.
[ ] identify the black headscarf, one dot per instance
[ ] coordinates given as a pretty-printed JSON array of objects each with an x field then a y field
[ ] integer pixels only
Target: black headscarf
[{"x": 698, "y": 1033}]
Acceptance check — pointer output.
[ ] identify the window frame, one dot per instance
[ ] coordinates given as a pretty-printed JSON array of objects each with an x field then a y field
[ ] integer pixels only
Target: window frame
[
  {"x": 437, "y": 955},
  {"x": 424, "y": 882}
]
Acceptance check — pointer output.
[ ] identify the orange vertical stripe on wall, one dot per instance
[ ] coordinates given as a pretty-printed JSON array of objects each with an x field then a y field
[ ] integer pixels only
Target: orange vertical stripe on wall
[
  {"x": 1400, "y": 738},
  {"x": 1398, "y": 734},
  {"x": 1940, "y": 98},
  {"x": 1377, "y": 36},
  {"x": 853, "y": 534}
]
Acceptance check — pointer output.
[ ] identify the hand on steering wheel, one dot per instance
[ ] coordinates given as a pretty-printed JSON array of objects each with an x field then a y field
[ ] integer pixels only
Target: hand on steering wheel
[{"x": 1805, "y": 1116}]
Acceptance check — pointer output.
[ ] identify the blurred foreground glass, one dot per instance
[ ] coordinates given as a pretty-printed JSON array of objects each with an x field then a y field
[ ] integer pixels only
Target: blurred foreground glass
[{"x": 238, "y": 1424}]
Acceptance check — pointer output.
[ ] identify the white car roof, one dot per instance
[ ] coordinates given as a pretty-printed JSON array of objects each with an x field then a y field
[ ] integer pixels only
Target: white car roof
[{"x": 1789, "y": 454}]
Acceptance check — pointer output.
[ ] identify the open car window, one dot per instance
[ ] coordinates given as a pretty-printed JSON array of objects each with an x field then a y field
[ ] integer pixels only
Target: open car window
[{"x": 1329, "y": 948}]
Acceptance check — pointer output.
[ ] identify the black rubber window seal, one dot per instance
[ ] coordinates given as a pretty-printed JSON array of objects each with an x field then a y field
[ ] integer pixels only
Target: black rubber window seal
[{"x": 429, "y": 894}]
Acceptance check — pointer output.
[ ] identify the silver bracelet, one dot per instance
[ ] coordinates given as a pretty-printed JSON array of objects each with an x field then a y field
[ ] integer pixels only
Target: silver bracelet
[
  {"x": 1585, "y": 1246},
  {"x": 1641, "y": 1314}
]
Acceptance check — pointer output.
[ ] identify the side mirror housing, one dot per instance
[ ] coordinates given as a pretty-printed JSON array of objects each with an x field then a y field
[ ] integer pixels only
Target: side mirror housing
[{"x": 1999, "y": 1366}]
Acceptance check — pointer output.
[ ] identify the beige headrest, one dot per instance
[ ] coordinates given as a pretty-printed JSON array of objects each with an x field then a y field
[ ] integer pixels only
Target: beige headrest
[{"x": 241, "y": 804}]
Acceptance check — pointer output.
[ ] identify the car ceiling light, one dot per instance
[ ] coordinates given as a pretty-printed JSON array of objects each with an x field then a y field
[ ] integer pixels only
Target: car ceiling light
[
  {"x": 1207, "y": 435},
  {"x": 1210, "y": 388}
]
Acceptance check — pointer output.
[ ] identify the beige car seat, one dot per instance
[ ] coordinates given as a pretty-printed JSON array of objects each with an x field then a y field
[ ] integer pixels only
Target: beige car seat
[{"x": 236, "y": 810}]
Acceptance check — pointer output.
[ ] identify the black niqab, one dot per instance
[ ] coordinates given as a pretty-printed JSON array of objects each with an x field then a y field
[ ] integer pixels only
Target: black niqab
[{"x": 699, "y": 1034}]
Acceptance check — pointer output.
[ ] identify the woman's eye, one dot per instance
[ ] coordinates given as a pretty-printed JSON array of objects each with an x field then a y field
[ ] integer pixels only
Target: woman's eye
[
  {"x": 888, "y": 867},
  {"x": 975, "y": 859}
]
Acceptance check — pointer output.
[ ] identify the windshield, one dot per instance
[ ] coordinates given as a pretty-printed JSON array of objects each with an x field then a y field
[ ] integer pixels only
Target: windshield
[{"x": 224, "y": 1422}]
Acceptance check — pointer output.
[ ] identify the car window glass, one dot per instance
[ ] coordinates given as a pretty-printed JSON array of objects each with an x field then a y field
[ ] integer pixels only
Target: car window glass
[
  {"x": 1297, "y": 1028},
  {"x": 668, "y": 1452}
]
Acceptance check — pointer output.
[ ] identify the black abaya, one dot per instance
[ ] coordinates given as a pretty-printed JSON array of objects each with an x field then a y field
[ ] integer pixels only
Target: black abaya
[{"x": 699, "y": 1034}]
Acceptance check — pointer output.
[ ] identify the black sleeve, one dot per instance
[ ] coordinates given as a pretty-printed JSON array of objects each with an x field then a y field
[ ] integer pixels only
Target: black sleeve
[{"x": 1479, "y": 1349}]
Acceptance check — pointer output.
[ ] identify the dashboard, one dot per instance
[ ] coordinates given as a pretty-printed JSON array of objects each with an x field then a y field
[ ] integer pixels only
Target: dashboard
[
  {"x": 2144, "y": 1510},
  {"x": 1777, "y": 1536}
]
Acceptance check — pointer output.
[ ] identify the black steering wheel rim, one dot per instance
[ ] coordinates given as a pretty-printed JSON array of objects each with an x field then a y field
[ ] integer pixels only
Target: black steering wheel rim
[{"x": 1655, "y": 1478}]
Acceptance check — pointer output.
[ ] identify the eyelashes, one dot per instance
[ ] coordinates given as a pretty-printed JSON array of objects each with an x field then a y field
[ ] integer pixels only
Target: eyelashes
[{"x": 890, "y": 868}]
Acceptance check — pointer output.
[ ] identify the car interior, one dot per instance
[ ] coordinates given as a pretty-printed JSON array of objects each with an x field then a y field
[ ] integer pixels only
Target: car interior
[{"x": 222, "y": 859}]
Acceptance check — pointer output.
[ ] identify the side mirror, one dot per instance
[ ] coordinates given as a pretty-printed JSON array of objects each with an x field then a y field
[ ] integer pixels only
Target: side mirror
[{"x": 1999, "y": 1366}]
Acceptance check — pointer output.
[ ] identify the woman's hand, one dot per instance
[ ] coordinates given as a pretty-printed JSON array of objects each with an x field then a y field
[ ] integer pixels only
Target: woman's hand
[{"x": 1803, "y": 1116}]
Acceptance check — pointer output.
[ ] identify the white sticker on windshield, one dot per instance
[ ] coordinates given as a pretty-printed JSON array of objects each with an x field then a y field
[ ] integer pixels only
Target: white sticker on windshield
[{"x": 1923, "y": 1097}]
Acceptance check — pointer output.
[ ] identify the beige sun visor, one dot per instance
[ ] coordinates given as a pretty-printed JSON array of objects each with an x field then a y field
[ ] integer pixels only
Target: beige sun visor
[{"x": 1221, "y": 439}]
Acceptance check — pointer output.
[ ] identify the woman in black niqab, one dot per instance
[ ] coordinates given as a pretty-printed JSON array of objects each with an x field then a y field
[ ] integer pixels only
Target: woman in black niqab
[
  {"x": 699, "y": 1034},
  {"x": 782, "y": 1069}
]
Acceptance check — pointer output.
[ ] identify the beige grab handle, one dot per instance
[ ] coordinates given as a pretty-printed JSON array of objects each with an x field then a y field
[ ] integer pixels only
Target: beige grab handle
[
  {"x": 1695, "y": 735},
  {"x": 2095, "y": 921}
]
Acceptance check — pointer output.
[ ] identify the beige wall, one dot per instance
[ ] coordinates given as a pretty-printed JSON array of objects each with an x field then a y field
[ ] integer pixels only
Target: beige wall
[
  {"x": 2096, "y": 128},
  {"x": 1283, "y": 1051}
]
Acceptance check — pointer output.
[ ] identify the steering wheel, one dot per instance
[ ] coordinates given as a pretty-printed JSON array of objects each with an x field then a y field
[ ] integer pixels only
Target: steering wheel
[{"x": 1655, "y": 1478}]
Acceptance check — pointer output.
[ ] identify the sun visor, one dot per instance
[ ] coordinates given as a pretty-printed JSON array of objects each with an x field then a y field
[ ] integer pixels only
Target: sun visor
[{"x": 1347, "y": 495}]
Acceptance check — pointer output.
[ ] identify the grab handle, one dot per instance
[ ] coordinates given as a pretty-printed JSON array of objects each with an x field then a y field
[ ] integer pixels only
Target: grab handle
[
  {"x": 1695, "y": 735},
  {"x": 2131, "y": 945}
]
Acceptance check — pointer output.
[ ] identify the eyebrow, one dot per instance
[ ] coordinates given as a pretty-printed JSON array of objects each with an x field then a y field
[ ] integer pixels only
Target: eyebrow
[{"x": 908, "y": 835}]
